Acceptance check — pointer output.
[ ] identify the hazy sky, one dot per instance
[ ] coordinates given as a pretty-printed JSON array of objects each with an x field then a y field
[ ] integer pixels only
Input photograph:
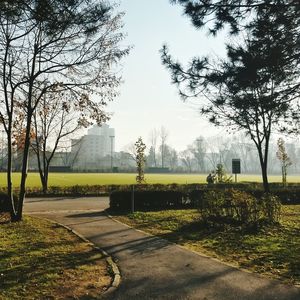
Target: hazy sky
[{"x": 148, "y": 100}]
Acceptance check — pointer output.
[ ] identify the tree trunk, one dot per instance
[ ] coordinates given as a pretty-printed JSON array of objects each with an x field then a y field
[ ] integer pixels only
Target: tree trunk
[
  {"x": 45, "y": 179},
  {"x": 263, "y": 159},
  {"x": 265, "y": 176},
  {"x": 13, "y": 213},
  {"x": 24, "y": 170}
]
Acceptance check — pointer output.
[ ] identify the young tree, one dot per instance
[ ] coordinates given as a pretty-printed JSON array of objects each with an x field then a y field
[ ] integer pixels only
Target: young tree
[
  {"x": 140, "y": 159},
  {"x": 284, "y": 159},
  {"x": 51, "y": 46},
  {"x": 254, "y": 90}
]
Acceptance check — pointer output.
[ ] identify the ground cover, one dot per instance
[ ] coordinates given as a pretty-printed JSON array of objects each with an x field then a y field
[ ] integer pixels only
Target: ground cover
[
  {"x": 71, "y": 179},
  {"x": 274, "y": 251},
  {"x": 40, "y": 260}
]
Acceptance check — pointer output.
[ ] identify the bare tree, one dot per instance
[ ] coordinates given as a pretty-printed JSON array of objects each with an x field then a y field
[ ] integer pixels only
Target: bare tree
[
  {"x": 51, "y": 46},
  {"x": 187, "y": 159},
  {"x": 54, "y": 120},
  {"x": 284, "y": 159},
  {"x": 163, "y": 134},
  {"x": 198, "y": 149},
  {"x": 153, "y": 141}
]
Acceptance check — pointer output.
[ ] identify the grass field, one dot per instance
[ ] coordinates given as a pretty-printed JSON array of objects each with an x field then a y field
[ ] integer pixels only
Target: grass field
[{"x": 70, "y": 179}]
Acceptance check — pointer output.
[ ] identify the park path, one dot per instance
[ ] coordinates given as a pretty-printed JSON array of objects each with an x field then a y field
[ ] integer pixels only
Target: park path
[{"x": 153, "y": 268}]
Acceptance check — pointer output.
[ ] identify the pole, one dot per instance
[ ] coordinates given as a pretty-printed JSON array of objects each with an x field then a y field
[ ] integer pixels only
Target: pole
[
  {"x": 235, "y": 178},
  {"x": 132, "y": 199},
  {"x": 111, "y": 152}
]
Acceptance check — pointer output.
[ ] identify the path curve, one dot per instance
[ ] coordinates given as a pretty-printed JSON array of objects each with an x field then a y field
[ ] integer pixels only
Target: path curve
[{"x": 153, "y": 268}]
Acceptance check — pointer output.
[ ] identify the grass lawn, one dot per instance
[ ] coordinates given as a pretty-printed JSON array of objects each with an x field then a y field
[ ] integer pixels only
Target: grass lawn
[
  {"x": 272, "y": 251},
  {"x": 70, "y": 179},
  {"x": 40, "y": 260}
]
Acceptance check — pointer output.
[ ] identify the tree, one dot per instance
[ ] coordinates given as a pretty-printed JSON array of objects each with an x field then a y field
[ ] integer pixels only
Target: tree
[
  {"x": 255, "y": 89},
  {"x": 55, "y": 119},
  {"x": 198, "y": 148},
  {"x": 187, "y": 160},
  {"x": 140, "y": 159},
  {"x": 153, "y": 140},
  {"x": 216, "y": 14},
  {"x": 163, "y": 139},
  {"x": 284, "y": 159},
  {"x": 49, "y": 47}
]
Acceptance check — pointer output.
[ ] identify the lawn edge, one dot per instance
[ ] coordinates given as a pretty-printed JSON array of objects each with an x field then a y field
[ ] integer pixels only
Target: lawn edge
[
  {"x": 109, "y": 260},
  {"x": 201, "y": 254}
]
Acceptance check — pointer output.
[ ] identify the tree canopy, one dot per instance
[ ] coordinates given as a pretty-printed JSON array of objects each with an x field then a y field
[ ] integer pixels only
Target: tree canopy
[
  {"x": 50, "y": 47},
  {"x": 256, "y": 87}
]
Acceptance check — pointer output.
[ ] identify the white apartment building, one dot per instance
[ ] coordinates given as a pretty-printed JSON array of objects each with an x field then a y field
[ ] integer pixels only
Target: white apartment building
[{"x": 94, "y": 150}]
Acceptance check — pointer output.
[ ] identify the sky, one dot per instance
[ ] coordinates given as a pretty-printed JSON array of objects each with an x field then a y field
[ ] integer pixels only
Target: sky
[{"x": 147, "y": 98}]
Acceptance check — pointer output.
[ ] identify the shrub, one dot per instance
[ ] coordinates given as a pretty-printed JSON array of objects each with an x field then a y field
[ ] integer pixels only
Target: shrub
[
  {"x": 239, "y": 208},
  {"x": 4, "y": 203}
]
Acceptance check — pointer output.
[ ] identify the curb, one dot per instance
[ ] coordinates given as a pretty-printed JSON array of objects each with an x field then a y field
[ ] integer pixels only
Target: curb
[{"x": 113, "y": 266}]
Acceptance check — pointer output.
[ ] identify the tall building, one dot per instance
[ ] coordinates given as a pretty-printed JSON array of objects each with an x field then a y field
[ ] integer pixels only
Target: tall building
[{"x": 94, "y": 150}]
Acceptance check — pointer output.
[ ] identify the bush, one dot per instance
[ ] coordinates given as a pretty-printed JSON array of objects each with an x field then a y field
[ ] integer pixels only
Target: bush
[
  {"x": 4, "y": 203},
  {"x": 239, "y": 208},
  {"x": 150, "y": 200}
]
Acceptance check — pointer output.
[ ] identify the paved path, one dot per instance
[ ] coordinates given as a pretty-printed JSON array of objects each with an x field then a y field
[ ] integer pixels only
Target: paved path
[{"x": 152, "y": 268}]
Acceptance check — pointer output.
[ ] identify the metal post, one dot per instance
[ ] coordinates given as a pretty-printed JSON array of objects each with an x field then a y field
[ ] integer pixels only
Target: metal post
[
  {"x": 111, "y": 152},
  {"x": 235, "y": 177},
  {"x": 132, "y": 199}
]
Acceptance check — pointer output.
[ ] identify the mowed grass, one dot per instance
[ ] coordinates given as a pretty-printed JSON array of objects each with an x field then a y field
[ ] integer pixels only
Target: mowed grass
[
  {"x": 274, "y": 251},
  {"x": 40, "y": 260},
  {"x": 70, "y": 179}
]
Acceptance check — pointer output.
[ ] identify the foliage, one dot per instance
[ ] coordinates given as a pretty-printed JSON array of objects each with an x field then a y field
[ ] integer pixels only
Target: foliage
[
  {"x": 239, "y": 207},
  {"x": 217, "y": 14},
  {"x": 221, "y": 175},
  {"x": 256, "y": 88},
  {"x": 284, "y": 159},
  {"x": 51, "y": 47},
  {"x": 140, "y": 159}
]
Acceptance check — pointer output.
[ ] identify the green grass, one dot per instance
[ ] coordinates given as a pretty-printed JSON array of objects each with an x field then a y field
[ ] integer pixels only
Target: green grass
[
  {"x": 40, "y": 260},
  {"x": 70, "y": 179},
  {"x": 274, "y": 251}
]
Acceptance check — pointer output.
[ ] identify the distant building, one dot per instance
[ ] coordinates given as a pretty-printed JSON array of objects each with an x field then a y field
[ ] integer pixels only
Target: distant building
[{"x": 94, "y": 150}]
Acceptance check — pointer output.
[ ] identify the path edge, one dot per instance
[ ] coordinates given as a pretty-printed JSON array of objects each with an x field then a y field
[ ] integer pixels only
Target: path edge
[
  {"x": 201, "y": 254},
  {"x": 109, "y": 260}
]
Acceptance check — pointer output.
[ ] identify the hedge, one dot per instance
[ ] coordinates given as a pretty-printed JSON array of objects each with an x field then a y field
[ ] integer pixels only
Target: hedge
[
  {"x": 187, "y": 196},
  {"x": 4, "y": 202},
  {"x": 121, "y": 200}
]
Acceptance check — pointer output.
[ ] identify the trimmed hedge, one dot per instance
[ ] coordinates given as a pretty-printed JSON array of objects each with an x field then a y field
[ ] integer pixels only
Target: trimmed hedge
[
  {"x": 121, "y": 200},
  {"x": 188, "y": 196}
]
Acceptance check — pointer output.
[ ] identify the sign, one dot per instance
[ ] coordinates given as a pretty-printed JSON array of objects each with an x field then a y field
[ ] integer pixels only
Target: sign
[{"x": 236, "y": 166}]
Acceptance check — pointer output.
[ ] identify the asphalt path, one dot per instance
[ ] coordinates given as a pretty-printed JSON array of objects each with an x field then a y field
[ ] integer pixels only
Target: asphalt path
[{"x": 152, "y": 268}]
